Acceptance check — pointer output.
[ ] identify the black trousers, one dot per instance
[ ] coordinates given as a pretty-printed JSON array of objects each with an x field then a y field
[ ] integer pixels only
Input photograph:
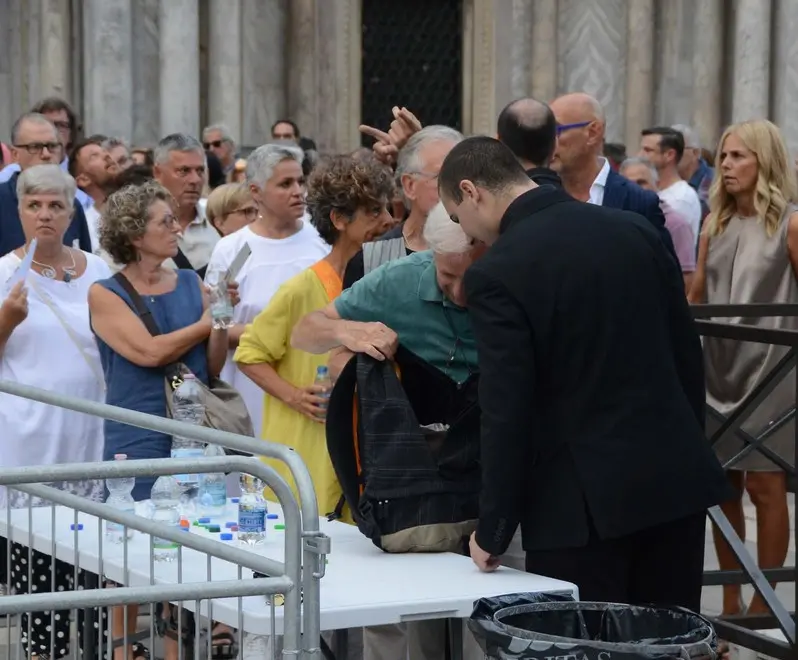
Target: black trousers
[{"x": 662, "y": 565}]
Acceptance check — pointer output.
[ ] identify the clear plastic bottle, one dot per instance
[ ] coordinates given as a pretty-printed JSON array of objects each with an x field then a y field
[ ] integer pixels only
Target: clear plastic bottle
[
  {"x": 323, "y": 379},
  {"x": 119, "y": 497},
  {"x": 252, "y": 511},
  {"x": 213, "y": 487},
  {"x": 188, "y": 406},
  {"x": 165, "y": 502}
]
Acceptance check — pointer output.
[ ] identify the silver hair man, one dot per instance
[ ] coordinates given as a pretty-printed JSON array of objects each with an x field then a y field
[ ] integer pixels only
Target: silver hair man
[
  {"x": 691, "y": 140},
  {"x": 262, "y": 161},
  {"x": 34, "y": 118},
  {"x": 46, "y": 179},
  {"x": 409, "y": 161},
  {"x": 175, "y": 142},
  {"x": 635, "y": 160},
  {"x": 444, "y": 236}
]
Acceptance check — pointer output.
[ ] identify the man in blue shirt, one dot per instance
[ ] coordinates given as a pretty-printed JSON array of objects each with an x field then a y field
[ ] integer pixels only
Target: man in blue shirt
[{"x": 34, "y": 141}]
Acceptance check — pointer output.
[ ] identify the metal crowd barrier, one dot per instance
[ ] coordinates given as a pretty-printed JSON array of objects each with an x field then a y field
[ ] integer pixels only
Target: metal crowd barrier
[
  {"x": 743, "y": 629},
  {"x": 296, "y": 579}
]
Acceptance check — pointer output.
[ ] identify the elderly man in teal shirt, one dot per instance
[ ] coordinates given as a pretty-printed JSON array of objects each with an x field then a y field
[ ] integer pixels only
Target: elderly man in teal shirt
[{"x": 418, "y": 301}]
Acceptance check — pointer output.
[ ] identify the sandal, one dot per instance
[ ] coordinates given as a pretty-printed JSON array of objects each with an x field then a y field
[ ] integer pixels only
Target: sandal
[
  {"x": 223, "y": 644},
  {"x": 140, "y": 651}
]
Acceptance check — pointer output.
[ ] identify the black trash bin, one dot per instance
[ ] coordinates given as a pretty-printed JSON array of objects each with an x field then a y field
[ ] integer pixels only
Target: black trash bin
[{"x": 550, "y": 627}]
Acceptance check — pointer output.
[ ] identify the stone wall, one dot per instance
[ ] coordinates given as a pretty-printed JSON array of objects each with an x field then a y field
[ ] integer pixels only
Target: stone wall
[{"x": 141, "y": 68}]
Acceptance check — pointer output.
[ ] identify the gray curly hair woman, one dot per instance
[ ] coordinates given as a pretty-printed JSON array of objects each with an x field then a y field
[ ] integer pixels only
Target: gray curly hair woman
[{"x": 125, "y": 218}]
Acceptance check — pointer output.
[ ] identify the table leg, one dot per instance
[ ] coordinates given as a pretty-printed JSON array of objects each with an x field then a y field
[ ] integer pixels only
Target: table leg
[{"x": 456, "y": 638}]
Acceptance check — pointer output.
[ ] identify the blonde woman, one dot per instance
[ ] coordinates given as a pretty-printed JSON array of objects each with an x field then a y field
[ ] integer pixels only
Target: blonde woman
[
  {"x": 748, "y": 253},
  {"x": 230, "y": 207}
]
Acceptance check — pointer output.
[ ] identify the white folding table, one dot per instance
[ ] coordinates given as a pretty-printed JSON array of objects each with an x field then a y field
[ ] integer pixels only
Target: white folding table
[{"x": 363, "y": 586}]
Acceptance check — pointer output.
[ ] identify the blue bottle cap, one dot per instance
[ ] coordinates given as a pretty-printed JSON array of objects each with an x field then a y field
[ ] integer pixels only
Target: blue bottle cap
[
  {"x": 226, "y": 536},
  {"x": 234, "y": 500},
  {"x": 185, "y": 529},
  {"x": 272, "y": 516},
  {"x": 231, "y": 523},
  {"x": 77, "y": 527},
  {"x": 203, "y": 521}
]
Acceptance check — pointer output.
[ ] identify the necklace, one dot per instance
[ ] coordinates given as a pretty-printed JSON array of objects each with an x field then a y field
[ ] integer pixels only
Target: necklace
[{"x": 51, "y": 273}]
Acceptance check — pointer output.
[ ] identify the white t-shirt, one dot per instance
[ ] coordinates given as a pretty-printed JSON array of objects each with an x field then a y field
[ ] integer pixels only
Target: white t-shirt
[
  {"x": 684, "y": 200},
  {"x": 272, "y": 262},
  {"x": 41, "y": 353}
]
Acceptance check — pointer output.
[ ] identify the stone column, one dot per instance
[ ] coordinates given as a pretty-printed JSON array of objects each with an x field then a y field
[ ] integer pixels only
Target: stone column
[
  {"x": 302, "y": 57},
  {"x": 591, "y": 44},
  {"x": 108, "y": 75},
  {"x": 708, "y": 17},
  {"x": 674, "y": 80},
  {"x": 265, "y": 24},
  {"x": 543, "y": 72},
  {"x": 55, "y": 51},
  {"x": 178, "y": 22},
  {"x": 751, "y": 60},
  {"x": 146, "y": 73},
  {"x": 639, "y": 71},
  {"x": 785, "y": 70},
  {"x": 479, "y": 67},
  {"x": 7, "y": 110},
  {"x": 224, "y": 64}
]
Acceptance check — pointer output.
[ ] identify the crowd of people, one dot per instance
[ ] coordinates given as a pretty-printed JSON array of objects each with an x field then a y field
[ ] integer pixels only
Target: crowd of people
[{"x": 545, "y": 265}]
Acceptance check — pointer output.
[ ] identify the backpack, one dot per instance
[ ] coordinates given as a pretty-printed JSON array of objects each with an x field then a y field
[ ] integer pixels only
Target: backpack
[{"x": 406, "y": 452}]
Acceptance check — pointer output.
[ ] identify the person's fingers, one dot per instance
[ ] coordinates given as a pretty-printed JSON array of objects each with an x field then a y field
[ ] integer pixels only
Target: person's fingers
[
  {"x": 376, "y": 133},
  {"x": 373, "y": 351},
  {"x": 410, "y": 119}
]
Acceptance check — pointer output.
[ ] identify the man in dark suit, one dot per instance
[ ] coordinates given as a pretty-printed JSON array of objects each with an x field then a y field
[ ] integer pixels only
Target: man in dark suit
[
  {"x": 591, "y": 388},
  {"x": 528, "y": 127}
]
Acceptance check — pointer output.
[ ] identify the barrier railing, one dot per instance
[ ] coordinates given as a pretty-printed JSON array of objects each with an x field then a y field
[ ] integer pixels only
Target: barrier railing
[
  {"x": 742, "y": 630},
  {"x": 312, "y": 545}
]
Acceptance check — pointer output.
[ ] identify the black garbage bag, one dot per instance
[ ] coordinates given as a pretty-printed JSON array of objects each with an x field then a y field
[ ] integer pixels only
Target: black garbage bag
[{"x": 552, "y": 627}]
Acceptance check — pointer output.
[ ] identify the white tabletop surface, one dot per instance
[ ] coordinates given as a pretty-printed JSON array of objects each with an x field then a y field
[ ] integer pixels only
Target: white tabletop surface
[{"x": 363, "y": 586}]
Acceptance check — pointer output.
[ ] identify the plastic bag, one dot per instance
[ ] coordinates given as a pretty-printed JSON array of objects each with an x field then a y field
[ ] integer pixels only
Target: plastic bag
[{"x": 552, "y": 627}]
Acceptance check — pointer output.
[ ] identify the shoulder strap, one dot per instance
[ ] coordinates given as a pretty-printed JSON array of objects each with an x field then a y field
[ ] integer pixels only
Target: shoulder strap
[
  {"x": 181, "y": 260},
  {"x": 138, "y": 304},
  {"x": 377, "y": 253}
]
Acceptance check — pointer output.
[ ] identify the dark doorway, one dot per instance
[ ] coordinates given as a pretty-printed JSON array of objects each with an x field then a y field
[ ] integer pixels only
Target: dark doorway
[{"x": 412, "y": 57}]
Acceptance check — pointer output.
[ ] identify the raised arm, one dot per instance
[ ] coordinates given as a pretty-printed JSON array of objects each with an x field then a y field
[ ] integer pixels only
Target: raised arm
[
  {"x": 13, "y": 311},
  {"x": 121, "y": 328}
]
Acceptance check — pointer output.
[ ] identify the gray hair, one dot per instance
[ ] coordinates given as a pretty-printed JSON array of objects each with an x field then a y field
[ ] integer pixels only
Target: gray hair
[
  {"x": 409, "y": 161},
  {"x": 691, "y": 140},
  {"x": 444, "y": 236},
  {"x": 175, "y": 142},
  {"x": 227, "y": 136},
  {"x": 47, "y": 179},
  {"x": 112, "y": 142},
  {"x": 262, "y": 161},
  {"x": 641, "y": 161},
  {"x": 33, "y": 118}
]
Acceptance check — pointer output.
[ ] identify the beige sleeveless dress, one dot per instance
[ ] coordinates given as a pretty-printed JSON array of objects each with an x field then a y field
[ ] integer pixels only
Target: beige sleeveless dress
[{"x": 745, "y": 265}]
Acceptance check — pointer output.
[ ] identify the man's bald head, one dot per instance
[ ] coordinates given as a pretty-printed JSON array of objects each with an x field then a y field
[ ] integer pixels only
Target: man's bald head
[
  {"x": 580, "y": 133},
  {"x": 579, "y": 105},
  {"x": 527, "y": 127}
]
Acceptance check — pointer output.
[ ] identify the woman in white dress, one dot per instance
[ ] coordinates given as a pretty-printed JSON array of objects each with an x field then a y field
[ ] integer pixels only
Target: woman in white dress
[{"x": 46, "y": 342}]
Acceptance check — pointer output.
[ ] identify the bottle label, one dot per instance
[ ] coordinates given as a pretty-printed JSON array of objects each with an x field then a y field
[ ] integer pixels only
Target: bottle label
[
  {"x": 251, "y": 518},
  {"x": 187, "y": 452}
]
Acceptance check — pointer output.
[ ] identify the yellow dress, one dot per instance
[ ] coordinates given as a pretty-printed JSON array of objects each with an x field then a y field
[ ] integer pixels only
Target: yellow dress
[{"x": 267, "y": 339}]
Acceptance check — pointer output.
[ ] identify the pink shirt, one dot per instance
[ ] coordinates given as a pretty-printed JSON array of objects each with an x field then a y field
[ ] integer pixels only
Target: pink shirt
[{"x": 682, "y": 234}]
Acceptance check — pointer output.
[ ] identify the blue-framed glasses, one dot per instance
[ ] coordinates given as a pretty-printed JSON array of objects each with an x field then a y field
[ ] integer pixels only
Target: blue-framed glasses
[{"x": 561, "y": 128}]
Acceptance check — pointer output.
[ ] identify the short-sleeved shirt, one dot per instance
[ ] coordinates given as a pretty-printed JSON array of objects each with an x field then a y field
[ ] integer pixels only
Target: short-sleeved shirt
[{"x": 404, "y": 295}]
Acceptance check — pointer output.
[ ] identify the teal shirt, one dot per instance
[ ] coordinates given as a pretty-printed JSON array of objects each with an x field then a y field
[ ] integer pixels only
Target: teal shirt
[{"x": 404, "y": 295}]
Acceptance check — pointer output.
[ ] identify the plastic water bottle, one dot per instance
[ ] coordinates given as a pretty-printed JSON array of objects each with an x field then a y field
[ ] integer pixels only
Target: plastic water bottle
[
  {"x": 323, "y": 380},
  {"x": 119, "y": 497},
  {"x": 165, "y": 501},
  {"x": 252, "y": 511},
  {"x": 188, "y": 406},
  {"x": 213, "y": 487}
]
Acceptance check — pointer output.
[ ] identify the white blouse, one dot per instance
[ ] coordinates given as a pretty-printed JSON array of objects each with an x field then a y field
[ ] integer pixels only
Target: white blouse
[{"x": 41, "y": 353}]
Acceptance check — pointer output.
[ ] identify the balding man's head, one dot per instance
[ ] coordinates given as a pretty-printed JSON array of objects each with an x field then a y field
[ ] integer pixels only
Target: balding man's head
[
  {"x": 580, "y": 132},
  {"x": 528, "y": 128}
]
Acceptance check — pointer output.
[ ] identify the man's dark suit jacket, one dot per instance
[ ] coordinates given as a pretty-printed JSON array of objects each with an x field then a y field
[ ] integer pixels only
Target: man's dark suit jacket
[
  {"x": 591, "y": 379},
  {"x": 622, "y": 194},
  {"x": 11, "y": 234}
]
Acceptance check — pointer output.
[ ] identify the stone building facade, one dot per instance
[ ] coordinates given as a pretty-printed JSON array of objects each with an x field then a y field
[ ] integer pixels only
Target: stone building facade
[{"x": 142, "y": 68}]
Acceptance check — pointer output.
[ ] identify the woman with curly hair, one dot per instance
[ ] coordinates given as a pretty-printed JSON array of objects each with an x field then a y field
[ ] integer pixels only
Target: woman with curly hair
[
  {"x": 748, "y": 253},
  {"x": 348, "y": 203}
]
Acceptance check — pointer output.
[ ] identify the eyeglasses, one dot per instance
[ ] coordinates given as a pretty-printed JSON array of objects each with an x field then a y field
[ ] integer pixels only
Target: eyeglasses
[
  {"x": 62, "y": 125},
  {"x": 249, "y": 212},
  {"x": 34, "y": 148},
  {"x": 561, "y": 128},
  {"x": 427, "y": 175},
  {"x": 215, "y": 144},
  {"x": 167, "y": 222}
]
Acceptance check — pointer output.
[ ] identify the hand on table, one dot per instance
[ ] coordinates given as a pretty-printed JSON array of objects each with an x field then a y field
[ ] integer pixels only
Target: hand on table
[{"x": 486, "y": 562}]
